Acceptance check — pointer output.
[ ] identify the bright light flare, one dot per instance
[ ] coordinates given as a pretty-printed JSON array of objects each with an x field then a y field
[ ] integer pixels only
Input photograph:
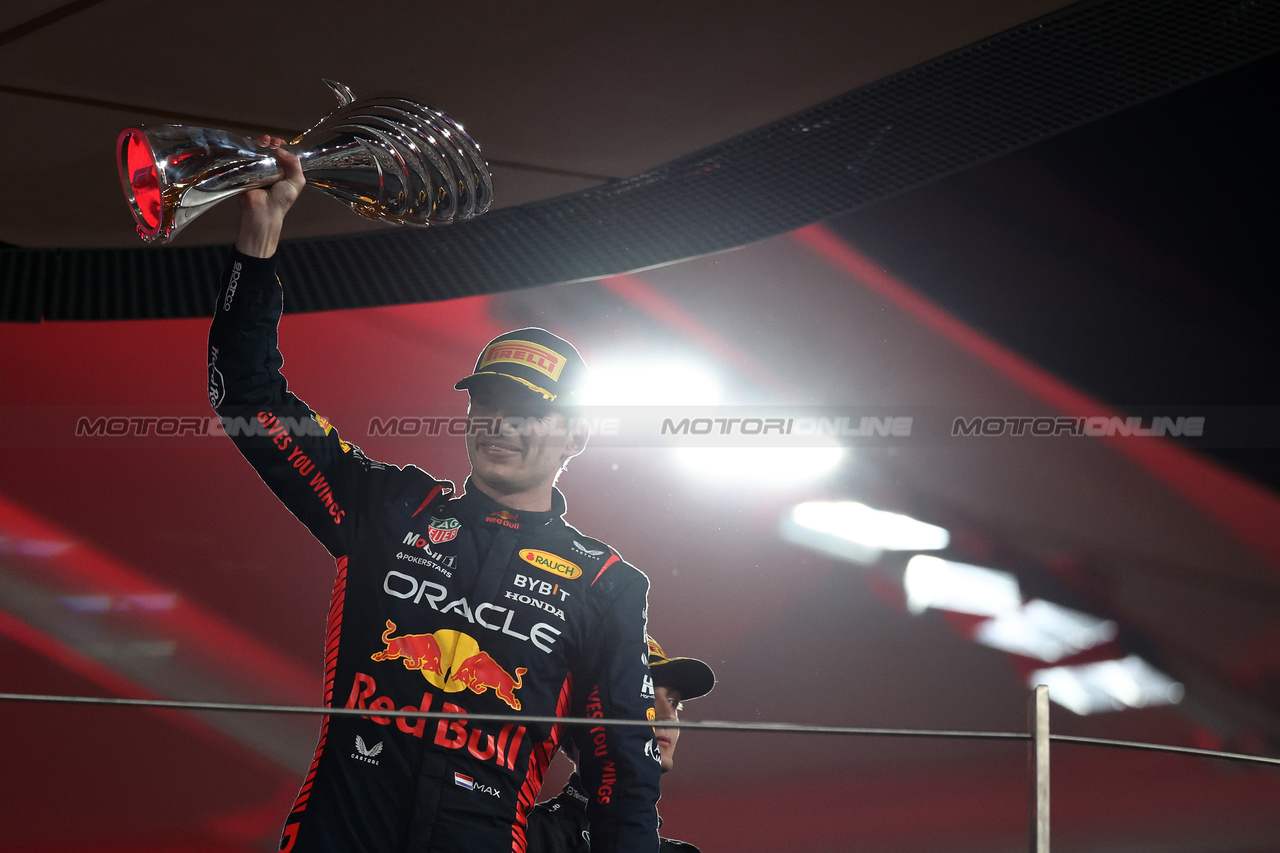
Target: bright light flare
[
  {"x": 761, "y": 464},
  {"x": 656, "y": 383},
  {"x": 1045, "y": 631},
  {"x": 1110, "y": 685},
  {"x": 874, "y": 528},
  {"x": 933, "y": 582},
  {"x": 854, "y": 531}
]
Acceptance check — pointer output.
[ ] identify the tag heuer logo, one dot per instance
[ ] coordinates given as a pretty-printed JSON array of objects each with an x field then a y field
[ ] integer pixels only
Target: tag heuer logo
[{"x": 443, "y": 529}]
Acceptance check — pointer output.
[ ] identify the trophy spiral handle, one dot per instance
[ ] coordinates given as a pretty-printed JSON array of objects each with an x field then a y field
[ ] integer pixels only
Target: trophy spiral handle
[{"x": 390, "y": 158}]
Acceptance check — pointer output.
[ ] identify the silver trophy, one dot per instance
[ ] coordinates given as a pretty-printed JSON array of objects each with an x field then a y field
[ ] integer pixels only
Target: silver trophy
[{"x": 389, "y": 158}]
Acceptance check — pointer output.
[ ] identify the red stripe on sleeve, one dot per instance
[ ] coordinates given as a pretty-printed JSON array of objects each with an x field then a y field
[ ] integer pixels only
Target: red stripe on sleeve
[
  {"x": 539, "y": 758},
  {"x": 333, "y": 634},
  {"x": 613, "y": 558}
]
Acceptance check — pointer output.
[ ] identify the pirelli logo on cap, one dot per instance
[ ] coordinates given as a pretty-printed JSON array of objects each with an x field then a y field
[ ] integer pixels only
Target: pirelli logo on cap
[
  {"x": 551, "y": 563},
  {"x": 540, "y": 358}
]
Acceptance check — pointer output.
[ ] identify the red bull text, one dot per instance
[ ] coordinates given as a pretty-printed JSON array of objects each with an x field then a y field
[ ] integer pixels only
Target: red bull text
[{"x": 450, "y": 734}]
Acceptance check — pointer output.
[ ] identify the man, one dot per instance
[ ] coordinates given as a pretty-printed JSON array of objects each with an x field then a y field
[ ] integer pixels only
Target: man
[
  {"x": 484, "y": 603},
  {"x": 561, "y": 825}
]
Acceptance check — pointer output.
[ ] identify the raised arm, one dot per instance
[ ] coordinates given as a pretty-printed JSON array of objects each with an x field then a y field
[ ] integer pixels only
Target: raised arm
[
  {"x": 323, "y": 480},
  {"x": 262, "y": 211}
]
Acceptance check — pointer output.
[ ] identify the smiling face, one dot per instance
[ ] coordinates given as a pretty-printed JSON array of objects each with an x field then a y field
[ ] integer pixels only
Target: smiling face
[
  {"x": 517, "y": 462},
  {"x": 666, "y": 706}
]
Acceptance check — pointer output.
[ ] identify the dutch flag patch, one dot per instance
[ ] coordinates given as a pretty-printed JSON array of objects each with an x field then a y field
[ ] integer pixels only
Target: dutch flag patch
[{"x": 464, "y": 781}]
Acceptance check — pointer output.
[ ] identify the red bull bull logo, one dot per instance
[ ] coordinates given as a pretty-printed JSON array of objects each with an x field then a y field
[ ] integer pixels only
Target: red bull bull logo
[
  {"x": 481, "y": 672},
  {"x": 418, "y": 651},
  {"x": 453, "y": 662}
]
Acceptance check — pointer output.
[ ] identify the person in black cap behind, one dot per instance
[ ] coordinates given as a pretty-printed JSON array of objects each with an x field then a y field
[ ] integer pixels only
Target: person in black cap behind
[
  {"x": 484, "y": 603},
  {"x": 560, "y": 825}
]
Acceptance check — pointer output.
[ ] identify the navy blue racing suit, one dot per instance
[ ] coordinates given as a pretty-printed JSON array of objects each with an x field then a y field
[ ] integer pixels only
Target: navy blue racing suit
[
  {"x": 446, "y": 603},
  {"x": 561, "y": 825}
]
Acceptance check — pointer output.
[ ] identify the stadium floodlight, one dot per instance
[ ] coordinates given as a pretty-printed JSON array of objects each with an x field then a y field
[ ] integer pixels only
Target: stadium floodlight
[
  {"x": 656, "y": 382},
  {"x": 1045, "y": 631},
  {"x": 960, "y": 587},
  {"x": 1109, "y": 685},
  {"x": 856, "y": 532}
]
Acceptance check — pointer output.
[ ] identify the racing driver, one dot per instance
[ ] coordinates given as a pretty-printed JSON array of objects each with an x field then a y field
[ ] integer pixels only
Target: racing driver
[
  {"x": 560, "y": 825},
  {"x": 485, "y": 602}
]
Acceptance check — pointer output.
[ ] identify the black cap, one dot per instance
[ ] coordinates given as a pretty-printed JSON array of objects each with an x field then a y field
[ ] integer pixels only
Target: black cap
[
  {"x": 537, "y": 359},
  {"x": 689, "y": 676}
]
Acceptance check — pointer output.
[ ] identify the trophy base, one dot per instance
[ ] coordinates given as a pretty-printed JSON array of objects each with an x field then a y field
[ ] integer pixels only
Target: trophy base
[{"x": 140, "y": 179}]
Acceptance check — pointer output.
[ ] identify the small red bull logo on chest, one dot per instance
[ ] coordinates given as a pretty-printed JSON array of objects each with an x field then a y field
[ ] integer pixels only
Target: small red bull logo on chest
[{"x": 504, "y": 517}]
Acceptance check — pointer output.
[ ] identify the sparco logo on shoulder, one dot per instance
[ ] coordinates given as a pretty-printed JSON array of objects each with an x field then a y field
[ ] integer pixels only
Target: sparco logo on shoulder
[{"x": 232, "y": 284}]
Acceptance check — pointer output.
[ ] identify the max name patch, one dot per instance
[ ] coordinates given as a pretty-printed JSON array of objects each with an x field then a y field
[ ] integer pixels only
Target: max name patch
[
  {"x": 551, "y": 563},
  {"x": 540, "y": 358}
]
